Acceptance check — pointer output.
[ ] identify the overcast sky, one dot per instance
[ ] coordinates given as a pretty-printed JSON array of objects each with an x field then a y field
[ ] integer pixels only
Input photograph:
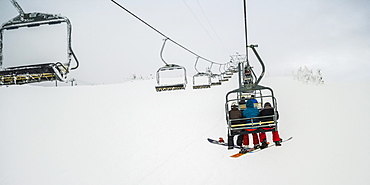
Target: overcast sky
[{"x": 111, "y": 45}]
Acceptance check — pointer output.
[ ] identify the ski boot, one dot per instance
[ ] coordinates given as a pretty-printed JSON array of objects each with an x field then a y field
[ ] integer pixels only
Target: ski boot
[
  {"x": 243, "y": 150},
  {"x": 264, "y": 145},
  {"x": 257, "y": 146},
  {"x": 278, "y": 143}
]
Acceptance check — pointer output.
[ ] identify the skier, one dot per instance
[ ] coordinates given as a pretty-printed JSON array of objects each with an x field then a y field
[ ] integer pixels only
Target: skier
[
  {"x": 242, "y": 103},
  {"x": 248, "y": 76},
  {"x": 255, "y": 102},
  {"x": 234, "y": 113},
  {"x": 251, "y": 112},
  {"x": 268, "y": 110}
]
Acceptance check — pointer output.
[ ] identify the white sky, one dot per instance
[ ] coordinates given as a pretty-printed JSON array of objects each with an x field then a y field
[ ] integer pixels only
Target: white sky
[{"x": 111, "y": 45}]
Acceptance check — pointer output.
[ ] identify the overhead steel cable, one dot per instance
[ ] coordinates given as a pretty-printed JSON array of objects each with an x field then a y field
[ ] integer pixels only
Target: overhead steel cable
[
  {"x": 246, "y": 29},
  {"x": 209, "y": 22},
  {"x": 196, "y": 18},
  {"x": 166, "y": 37}
]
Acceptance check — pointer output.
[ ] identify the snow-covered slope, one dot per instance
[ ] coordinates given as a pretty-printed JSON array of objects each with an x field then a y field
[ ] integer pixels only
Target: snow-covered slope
[{"x": 129, "y": 134}]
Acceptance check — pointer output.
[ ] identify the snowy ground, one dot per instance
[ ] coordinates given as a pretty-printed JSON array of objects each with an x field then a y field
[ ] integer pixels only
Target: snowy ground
[{"x": 129, "y": 134}]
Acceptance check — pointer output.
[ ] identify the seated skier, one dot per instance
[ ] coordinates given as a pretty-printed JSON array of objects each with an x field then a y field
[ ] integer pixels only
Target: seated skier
[
  {"x": 251, "y": 112},
  {"x": 268, "y": 110},
  {"x": 234, "y": 113}
]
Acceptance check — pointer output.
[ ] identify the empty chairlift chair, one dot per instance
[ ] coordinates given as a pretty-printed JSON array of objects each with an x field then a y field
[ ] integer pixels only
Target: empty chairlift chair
[
  {"x": 222, "y": 76},
  {"x": 201, "y": 80},
  {"x": 50, "y": 71},
  {"x": 216, "y": 79},
  {"x": 170, "y": 85},
  {"x": 228, "y": 72}
]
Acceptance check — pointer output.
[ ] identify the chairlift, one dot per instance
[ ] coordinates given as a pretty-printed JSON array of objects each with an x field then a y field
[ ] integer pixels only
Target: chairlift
[
  {"x": 251, "y": 125},
  {"x": 227, "y": 74},
  {"x": 252, "y": 92},
  {"x": 236, "y": 60},
  {"x": 249, "y": 75},
  {"x": 233, "y": 69},
  {"x": 222, "y": 75},
  {"x": 255, "y": 91},
  {"x": 216, "y": 79},
  {"x": 162, "y": 86},
  {"x": 25, "y": 74},
  {"x": 201, "y": 80}
]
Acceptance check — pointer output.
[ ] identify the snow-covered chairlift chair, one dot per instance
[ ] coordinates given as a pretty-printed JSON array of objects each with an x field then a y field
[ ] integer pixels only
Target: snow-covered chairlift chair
[
  {"x": 169, "y": 86},
  {"x": 37, "y": 72}
]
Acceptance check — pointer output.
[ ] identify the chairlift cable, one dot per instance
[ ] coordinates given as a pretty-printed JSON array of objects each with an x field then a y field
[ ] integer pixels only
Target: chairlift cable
[
  {"x": 161, "y": 32},
  {"x": 191, "y": 11},
  {"x": 209, "y": 22}
]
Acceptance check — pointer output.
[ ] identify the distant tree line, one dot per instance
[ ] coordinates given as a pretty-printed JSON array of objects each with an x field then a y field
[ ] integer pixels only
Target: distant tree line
[{"x": 309, "y": 76}]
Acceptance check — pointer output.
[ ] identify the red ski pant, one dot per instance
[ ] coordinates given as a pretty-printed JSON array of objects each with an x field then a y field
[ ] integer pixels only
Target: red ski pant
[
  {"x": 246, "y": 139},
  {"x": 275, "y": 136}
]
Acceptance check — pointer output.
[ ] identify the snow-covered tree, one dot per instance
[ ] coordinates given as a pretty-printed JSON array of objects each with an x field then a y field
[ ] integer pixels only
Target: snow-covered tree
[{"x": 307, "y": 76}]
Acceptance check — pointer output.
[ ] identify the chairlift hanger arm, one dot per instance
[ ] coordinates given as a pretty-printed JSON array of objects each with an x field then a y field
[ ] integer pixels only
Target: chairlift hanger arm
[
  {"x": 210, "y": 68},
  {"x": 20, "y": 10},
  {"x": 220, "y": 69},
  {"x": 253, "y": 47},
  {"x": 161, "y": 54},
  {"x": 195, "y": 65}
]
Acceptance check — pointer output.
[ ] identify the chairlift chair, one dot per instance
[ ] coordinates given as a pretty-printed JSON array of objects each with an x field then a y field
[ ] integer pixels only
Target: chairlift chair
[
  {"x": 25, "y": 74},
  {"x": 216, "y": 79},
  {"x": 201, "y": 80},
  {"x": 228, "y": 71},
  {"x": 205, "y": 79},
  {"x": 249, "y": 75},
  {"x": 222, "y": 76},
  {"x": 173, "y": 86},
  {"x": 228, "y": 74},
  {"x": 161, "y": 86},
  {"x": 251, "y": 125},
  {"x": 234, "y": 70}
]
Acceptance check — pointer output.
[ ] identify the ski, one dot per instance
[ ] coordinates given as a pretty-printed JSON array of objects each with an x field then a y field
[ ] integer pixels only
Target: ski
[
  {"x": 224, "y": 143},
  {"x": 252, "y": 150}
]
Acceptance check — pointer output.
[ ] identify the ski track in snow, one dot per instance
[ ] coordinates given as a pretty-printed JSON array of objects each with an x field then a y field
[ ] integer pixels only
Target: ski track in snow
[{"x": 129, "y": 134}]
